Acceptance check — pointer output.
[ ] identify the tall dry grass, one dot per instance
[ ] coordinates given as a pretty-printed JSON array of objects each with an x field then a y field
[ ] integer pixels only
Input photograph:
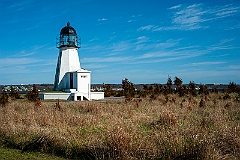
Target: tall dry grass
[{"x": 169, "y": 127}]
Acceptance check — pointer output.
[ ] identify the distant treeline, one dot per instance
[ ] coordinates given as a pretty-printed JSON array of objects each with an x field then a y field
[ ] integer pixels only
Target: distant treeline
[{"x": 128, "y": 89}]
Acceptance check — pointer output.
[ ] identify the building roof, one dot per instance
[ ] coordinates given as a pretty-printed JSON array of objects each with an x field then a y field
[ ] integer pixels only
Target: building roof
[
  {"x": 82, "y": 70},
  {"x": 68, "y": 30}
]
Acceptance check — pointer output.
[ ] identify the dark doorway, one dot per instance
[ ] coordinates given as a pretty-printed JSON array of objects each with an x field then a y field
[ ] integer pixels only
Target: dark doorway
[{"x": 71, "y": 80}]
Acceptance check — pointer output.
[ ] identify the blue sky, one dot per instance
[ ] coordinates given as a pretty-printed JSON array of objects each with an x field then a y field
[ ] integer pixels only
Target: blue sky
[{"x": 142, "y": 40}]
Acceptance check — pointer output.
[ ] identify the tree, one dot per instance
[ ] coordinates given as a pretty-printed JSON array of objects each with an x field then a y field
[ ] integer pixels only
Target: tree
[
  {"x": 169, "y": 84},
  {"x": 232, "y": 87},
  {"x": 145, "y": 91},
  {"x": 128, "y": 88},
  {"x": 13, "y": 93},
  {"x": 108, "y": 90},
  {"x": 166, "y": 90},
  {"x": 183, "y": 91},
  {"x": 157, "y": 89},
  {"x": 203, "y": 89},
  {"x": 178, "y": 83},
  {"x": 192, "y": 88},
  {"x": 3, "y": 98},
  {"x": 145, "y": 88},
  {"x": 33, "y": 94}
]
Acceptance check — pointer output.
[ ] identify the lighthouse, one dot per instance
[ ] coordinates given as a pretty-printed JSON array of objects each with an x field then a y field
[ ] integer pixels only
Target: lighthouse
[
  {"x": 68, "y": 44},
  {"x": 73, "y": 81}
]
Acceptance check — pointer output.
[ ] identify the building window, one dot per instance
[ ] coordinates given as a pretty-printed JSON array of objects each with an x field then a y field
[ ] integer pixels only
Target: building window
[{"x": 83, "y": 76}]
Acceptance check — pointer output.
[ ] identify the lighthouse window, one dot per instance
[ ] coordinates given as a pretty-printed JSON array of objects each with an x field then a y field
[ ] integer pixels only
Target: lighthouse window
[{"x": 83, "y": 76}]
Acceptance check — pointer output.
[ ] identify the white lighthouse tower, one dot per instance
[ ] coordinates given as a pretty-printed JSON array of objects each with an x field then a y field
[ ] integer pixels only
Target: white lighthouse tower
[
  {"x": 68, "y": 60},
  {"x": 74, "y": 81}
]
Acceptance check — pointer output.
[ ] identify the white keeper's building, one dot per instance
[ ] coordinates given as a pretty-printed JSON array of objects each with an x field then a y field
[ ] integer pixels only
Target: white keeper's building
[{"x": 74, "y": 81}]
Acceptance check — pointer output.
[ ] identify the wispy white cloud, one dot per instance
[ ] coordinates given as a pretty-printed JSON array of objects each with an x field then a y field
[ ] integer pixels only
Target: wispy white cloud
[
  {"x": 140, "y": 47},
  {"x": 152, "y": 52},
  {"x": 130, "y": 20},
  {"x": 134, "y": 18},
  {"x": 167, "y": 44},
  {"x": 226, "y": 11},
  {"x": 147, "y": 27},
  {"x": 171, "y": 52},
  {"x": 193, "y": 17},
  {"x": 94, "y": 66},
  {"x": 184, "y": 48},
  {"x": 149, "y": 51},
  {"x": 23, "y": 53},
  {"x": 23, "y": 62},
  {"x": 146, "y": 43},
  {"x": 142, "y": 39},
  {"x": 157, "y": 58},
  {"x": 21, "y": 5},
  {"x": 236, "y": 26},
  {"x": 24, "y": 65},
  {"x": 92, "y": 40},
  {"x": 190, "y": 17},
  {"x": 109, "y": 49},
  {"x": 48, "y": 70},
  {"x": 175, "y": 7},
  {"x": 120, "y": 46},
  {"x": 92, "y": 48},
  {"x": 102, "y": 19},
  {"x": 234, "y": 67},
  {"x": 205, "y": 63},
  {"x": 106, "y": 59},
  {"x": 17, "y": 65},
  {"x": 166, "y": 53},
  {"x": 225, "y": 44},
  {"x": 17, "y": 61},
  {"x": 141, "y": 43},
  {"x": 156, "y": 55},
  {"x": 38, "y": 47},
  {"x": 166, "y": 56},
  {"x": 13, "y": 70},
  {"x": 32, "y": 51}
]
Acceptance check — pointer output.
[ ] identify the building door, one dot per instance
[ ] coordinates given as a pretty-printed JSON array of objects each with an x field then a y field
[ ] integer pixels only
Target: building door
[{"x": 71, "y": 80}]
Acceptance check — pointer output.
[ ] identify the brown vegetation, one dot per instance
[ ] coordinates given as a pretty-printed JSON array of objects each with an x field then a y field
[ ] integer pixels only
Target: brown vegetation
[
  {"x": 33, "y": 96},
  {"x": 4, "y": 99},
  {"x": 159, "y": 127}
]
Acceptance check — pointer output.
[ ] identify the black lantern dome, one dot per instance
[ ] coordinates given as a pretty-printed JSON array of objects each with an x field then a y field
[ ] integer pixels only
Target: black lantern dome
[
  {"x": 68, "y": 30},
  {"x": 68, "y": 37}
]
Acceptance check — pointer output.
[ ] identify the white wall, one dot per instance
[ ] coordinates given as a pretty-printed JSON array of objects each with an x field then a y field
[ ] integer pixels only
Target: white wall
[
  {"x": 71, "y": 96},
  {"x": 84, "y": 82},
  {"x": 64, "y": 96},
  {"x": 68, "y": 61},
  {"x": 97, "y": 95}
]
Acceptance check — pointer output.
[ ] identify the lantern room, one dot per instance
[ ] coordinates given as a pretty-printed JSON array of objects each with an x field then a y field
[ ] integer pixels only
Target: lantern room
[{"x": 68, "y": 37}]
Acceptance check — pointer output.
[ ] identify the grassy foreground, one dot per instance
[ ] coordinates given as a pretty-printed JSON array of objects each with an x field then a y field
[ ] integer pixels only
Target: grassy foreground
[
  {"x": 168, "y": 127},
  {"x": 14, "y": 154}
]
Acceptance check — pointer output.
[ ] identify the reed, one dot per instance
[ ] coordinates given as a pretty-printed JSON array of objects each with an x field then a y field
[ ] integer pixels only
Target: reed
[{"x": 153, "y": 128}]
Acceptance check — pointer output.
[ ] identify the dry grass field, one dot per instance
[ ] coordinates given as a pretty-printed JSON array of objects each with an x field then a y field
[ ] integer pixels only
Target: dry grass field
[{"x": 168, "y": 127}]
